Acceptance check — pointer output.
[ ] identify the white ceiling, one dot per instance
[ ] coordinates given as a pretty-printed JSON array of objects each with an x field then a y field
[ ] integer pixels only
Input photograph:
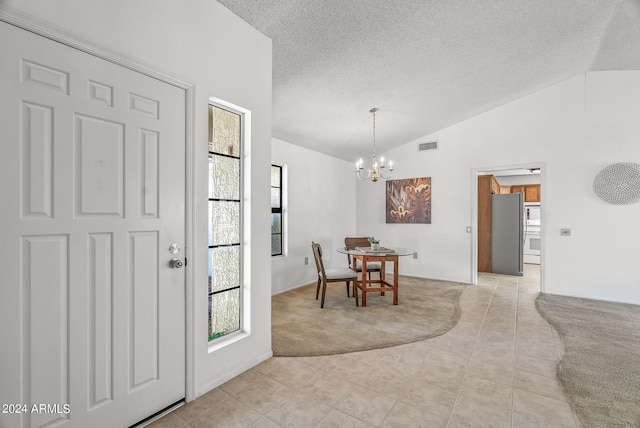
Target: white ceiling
[{"x": 426, "y": 64}]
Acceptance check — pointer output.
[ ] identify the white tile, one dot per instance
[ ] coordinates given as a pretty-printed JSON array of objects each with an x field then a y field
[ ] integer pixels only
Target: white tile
[{"x": 496, "y": 367}]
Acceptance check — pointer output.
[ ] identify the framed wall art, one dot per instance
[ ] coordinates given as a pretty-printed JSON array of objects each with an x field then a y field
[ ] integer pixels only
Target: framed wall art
[{"x": 409, "y": 200}]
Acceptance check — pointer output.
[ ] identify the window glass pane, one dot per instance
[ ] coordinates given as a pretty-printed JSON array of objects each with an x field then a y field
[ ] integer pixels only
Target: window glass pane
[
  {"x": 224, "y": 313},
  {"x": 276, "y": 210},
  {"x": 275, "y": 198},
  {"x": 224, "y": 259},
  {"x": 275, "y": 176},
  {"x": 276, "y": 223},
  {"x": 276, "y": 244},
  {"x": 224, "y": 131},
  {"x": 224, "y": 177},
  {"x": 224, "y": 222},
  {"x": 226, "y": 273}
]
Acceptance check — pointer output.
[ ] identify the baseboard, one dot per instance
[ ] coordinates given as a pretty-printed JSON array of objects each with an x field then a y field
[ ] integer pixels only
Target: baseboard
[
  {"x": 291, "y": 288},
  {"x": 598, "y": 298},
  {"x": 210, "y": 386}
]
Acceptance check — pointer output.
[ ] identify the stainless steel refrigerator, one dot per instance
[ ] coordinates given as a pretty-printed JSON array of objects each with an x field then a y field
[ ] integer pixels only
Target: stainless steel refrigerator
[{"x": 507, "y": 233}]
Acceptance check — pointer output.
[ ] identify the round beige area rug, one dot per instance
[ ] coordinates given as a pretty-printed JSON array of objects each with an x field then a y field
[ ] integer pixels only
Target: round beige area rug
[{"x": 426, "y": 308}]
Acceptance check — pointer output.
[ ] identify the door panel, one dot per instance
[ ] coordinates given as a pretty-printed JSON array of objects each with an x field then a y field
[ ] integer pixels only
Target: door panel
[
  {"x": 99, "y": 169},
  {"x": 92, "y": 181},
  {"x": 99, "y": 318},
  {"x": 45, "y": 286}
]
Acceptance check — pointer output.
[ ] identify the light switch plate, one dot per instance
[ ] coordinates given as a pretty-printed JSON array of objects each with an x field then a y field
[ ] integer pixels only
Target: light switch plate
[{"x": 565, "y": 232}]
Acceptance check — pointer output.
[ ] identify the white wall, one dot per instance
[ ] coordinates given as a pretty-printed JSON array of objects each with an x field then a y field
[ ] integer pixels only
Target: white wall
[
  {"x": 224, "y": 57},
  {"x": 321, "y": 193},
  {"x": 573, "y": 129}
]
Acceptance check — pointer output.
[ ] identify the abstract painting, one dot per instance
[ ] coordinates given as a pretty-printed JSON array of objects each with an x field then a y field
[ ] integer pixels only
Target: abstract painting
[{"x": 409, "y": 200}]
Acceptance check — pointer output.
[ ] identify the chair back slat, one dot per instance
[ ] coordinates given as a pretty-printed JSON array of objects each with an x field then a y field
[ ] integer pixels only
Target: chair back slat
[
  {"x": 317, "y": 255},
  {"x": 352, "y": 242}
]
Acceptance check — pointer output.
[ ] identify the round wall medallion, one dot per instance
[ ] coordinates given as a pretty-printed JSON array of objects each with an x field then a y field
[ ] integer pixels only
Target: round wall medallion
[{"x": 619, "y": 183}]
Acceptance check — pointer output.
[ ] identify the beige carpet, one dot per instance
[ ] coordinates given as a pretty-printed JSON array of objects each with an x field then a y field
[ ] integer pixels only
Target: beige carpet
[
  {"x": 600, "y": 368},
  {"x": 426, "y": 308}
]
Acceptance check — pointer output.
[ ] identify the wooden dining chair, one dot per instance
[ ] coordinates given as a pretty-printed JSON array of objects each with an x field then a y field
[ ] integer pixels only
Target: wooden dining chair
[
  {"x": 351, "y": 243},
  {"x": 330, "y": 275}
]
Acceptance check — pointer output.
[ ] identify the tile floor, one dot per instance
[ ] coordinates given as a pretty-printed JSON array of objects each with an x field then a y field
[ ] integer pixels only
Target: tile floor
[{"x": 495, "y": 368}]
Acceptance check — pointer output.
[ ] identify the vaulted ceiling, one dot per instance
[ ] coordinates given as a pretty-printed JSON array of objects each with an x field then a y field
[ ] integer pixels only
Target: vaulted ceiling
[{"x": 426, "y": 64}]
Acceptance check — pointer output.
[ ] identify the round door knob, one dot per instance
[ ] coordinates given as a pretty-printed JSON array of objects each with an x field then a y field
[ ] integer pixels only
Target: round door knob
[{"x": 175, "y": 263}]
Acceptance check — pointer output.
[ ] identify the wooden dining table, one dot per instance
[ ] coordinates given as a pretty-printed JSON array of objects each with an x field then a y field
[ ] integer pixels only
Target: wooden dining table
[{"x": 381, "y": 285}]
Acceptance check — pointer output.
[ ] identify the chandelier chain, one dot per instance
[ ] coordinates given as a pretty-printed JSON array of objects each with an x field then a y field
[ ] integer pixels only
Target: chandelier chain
[{"x": 374, "y": 110}]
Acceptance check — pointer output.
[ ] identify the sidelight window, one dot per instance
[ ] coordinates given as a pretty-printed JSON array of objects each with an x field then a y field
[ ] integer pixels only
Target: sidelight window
[{"x": 224, "y": 211}]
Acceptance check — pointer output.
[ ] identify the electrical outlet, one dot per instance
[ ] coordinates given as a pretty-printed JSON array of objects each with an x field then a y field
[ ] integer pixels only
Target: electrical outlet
[
  {"x": 468, "y": 229},
  {"x": 306, "y": 261},
  {"x": 565, "y": 232}
]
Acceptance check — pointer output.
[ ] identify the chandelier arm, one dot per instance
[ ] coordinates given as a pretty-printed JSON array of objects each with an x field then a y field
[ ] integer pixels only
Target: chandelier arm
[
  {"x": 361, "y": 176},
  {"x": 387, "y": 175}
]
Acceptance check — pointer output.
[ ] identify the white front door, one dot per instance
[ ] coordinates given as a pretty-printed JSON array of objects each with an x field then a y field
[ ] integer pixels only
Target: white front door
[{"x": 92, "y": 194}]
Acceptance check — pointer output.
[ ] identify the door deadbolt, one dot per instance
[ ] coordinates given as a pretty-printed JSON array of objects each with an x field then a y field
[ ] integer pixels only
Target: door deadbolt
[{"x": 175, "y": 263}]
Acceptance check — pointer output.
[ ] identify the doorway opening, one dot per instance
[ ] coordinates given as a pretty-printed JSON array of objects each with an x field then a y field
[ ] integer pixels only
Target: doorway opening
[{"x": 519, "y": 250}]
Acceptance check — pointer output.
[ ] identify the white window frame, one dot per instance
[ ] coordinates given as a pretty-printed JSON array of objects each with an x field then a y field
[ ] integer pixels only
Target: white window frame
[{"x": 245, "y": 223}]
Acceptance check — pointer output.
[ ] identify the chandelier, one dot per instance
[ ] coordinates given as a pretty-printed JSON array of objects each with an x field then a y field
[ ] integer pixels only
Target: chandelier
[{"x": 377, "y": 169}]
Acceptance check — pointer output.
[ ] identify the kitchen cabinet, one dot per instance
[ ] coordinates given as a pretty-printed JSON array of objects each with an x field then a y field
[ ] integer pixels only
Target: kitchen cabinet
[
  {"x": 495, "y": 186},
  {"x": 531, "y": 192}
]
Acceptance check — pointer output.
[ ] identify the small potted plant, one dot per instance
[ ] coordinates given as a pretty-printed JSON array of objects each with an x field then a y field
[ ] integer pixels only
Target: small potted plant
[{"x": 375, "y": 244}]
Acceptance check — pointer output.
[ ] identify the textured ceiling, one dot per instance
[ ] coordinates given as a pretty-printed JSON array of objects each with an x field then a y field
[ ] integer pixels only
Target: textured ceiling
[{"x": 426, "y": 64}]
